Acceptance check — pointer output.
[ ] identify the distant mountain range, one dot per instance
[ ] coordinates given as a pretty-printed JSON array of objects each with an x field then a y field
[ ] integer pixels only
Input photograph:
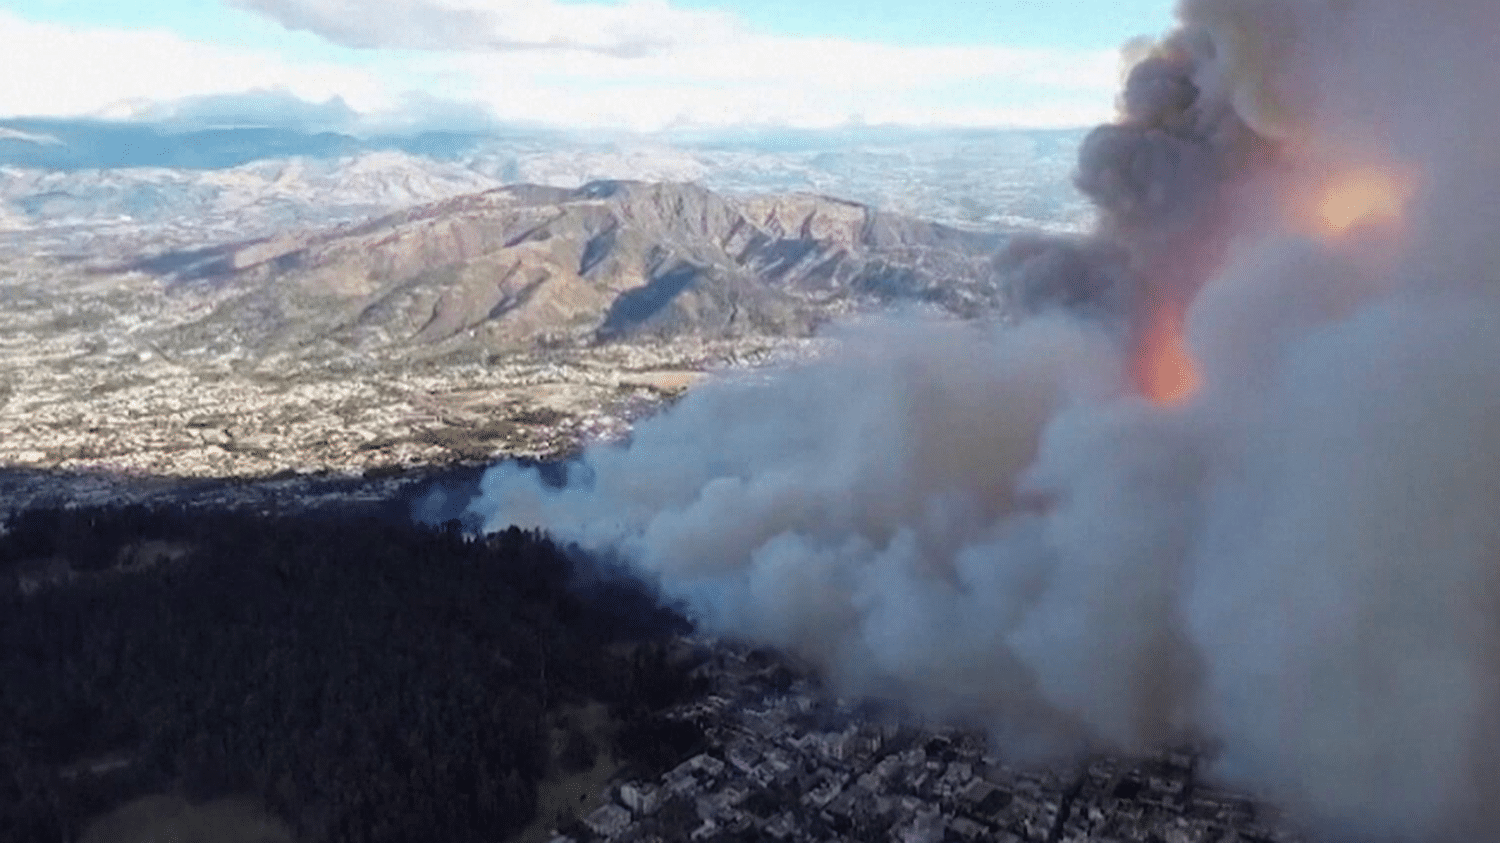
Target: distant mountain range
[
  {"x": 530, "y": 266},
  {"x": 65, "y": 144},
  {"x": 69, "y": 186}
]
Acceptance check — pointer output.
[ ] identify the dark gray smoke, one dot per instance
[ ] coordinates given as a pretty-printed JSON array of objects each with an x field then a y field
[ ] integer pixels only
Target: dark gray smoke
[
  {"x": 1301, "y": 563},
  {"x": 1164, "y": 178}
]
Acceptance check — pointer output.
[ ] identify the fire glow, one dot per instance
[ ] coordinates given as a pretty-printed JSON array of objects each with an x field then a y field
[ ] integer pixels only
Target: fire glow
[
  {"x": 1164, "y": 369},
  {"x": 1354, "y": 200},
  {"x": 1361, "y": 196}
]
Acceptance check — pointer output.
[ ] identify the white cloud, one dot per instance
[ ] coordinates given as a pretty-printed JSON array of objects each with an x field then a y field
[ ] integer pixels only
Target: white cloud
[
  {"x": 50, "y": 69},
  {"x": 799, "y": 81},
  {"x": 647, "y": 65},
  {"x": 635, "y": 28},
  {"x": 725, "y": 76}
]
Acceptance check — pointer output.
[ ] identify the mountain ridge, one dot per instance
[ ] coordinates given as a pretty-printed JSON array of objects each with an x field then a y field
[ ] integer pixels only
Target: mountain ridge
[{"x": 519, "y": 266}]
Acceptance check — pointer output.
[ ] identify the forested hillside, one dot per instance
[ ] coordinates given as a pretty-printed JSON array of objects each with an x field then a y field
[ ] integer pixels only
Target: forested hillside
[{"x": 365, "y": 680}]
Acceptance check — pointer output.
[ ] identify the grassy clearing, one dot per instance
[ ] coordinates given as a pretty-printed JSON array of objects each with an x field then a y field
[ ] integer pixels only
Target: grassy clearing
[{"x": 152, "y": 819}]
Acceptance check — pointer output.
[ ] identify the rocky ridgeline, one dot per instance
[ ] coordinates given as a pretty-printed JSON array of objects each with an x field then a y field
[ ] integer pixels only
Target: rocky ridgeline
[{"x": 523, "y": 267}]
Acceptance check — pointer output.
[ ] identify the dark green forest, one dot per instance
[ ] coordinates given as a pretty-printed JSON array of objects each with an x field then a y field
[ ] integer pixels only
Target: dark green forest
[{"x": 367, "y": 680}]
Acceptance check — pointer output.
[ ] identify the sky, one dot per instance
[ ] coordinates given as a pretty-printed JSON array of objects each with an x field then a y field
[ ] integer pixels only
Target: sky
[{"x": 641, "y": 65}]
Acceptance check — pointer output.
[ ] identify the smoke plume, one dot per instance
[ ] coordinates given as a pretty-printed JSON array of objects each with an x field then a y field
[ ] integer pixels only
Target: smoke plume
[{"x": 1237, "y": 478}]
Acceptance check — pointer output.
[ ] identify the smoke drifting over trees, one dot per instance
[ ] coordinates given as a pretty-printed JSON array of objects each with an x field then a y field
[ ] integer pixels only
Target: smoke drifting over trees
[{"x": 1291, "y": 553}]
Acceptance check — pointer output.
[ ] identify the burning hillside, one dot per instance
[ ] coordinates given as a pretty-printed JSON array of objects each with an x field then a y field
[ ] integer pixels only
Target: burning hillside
[{"x": 1286, "y": 547}]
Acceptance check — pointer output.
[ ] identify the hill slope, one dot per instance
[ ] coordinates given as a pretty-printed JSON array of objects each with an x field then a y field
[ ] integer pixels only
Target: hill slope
[{"x": 526, "y": 266}]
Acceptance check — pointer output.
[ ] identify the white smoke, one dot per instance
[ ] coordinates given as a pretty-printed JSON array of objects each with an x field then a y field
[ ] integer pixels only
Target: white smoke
[{"x": 1301, "y": 563}]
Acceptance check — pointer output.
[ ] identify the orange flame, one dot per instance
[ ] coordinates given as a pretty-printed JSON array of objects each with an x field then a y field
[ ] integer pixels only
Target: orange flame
[
  {"x": 1164, "y": 370},
  {"x": 1354, "y": 200},
  {"x": 1361, "y": 196},
  {"x": 1340, "y": 208}
]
